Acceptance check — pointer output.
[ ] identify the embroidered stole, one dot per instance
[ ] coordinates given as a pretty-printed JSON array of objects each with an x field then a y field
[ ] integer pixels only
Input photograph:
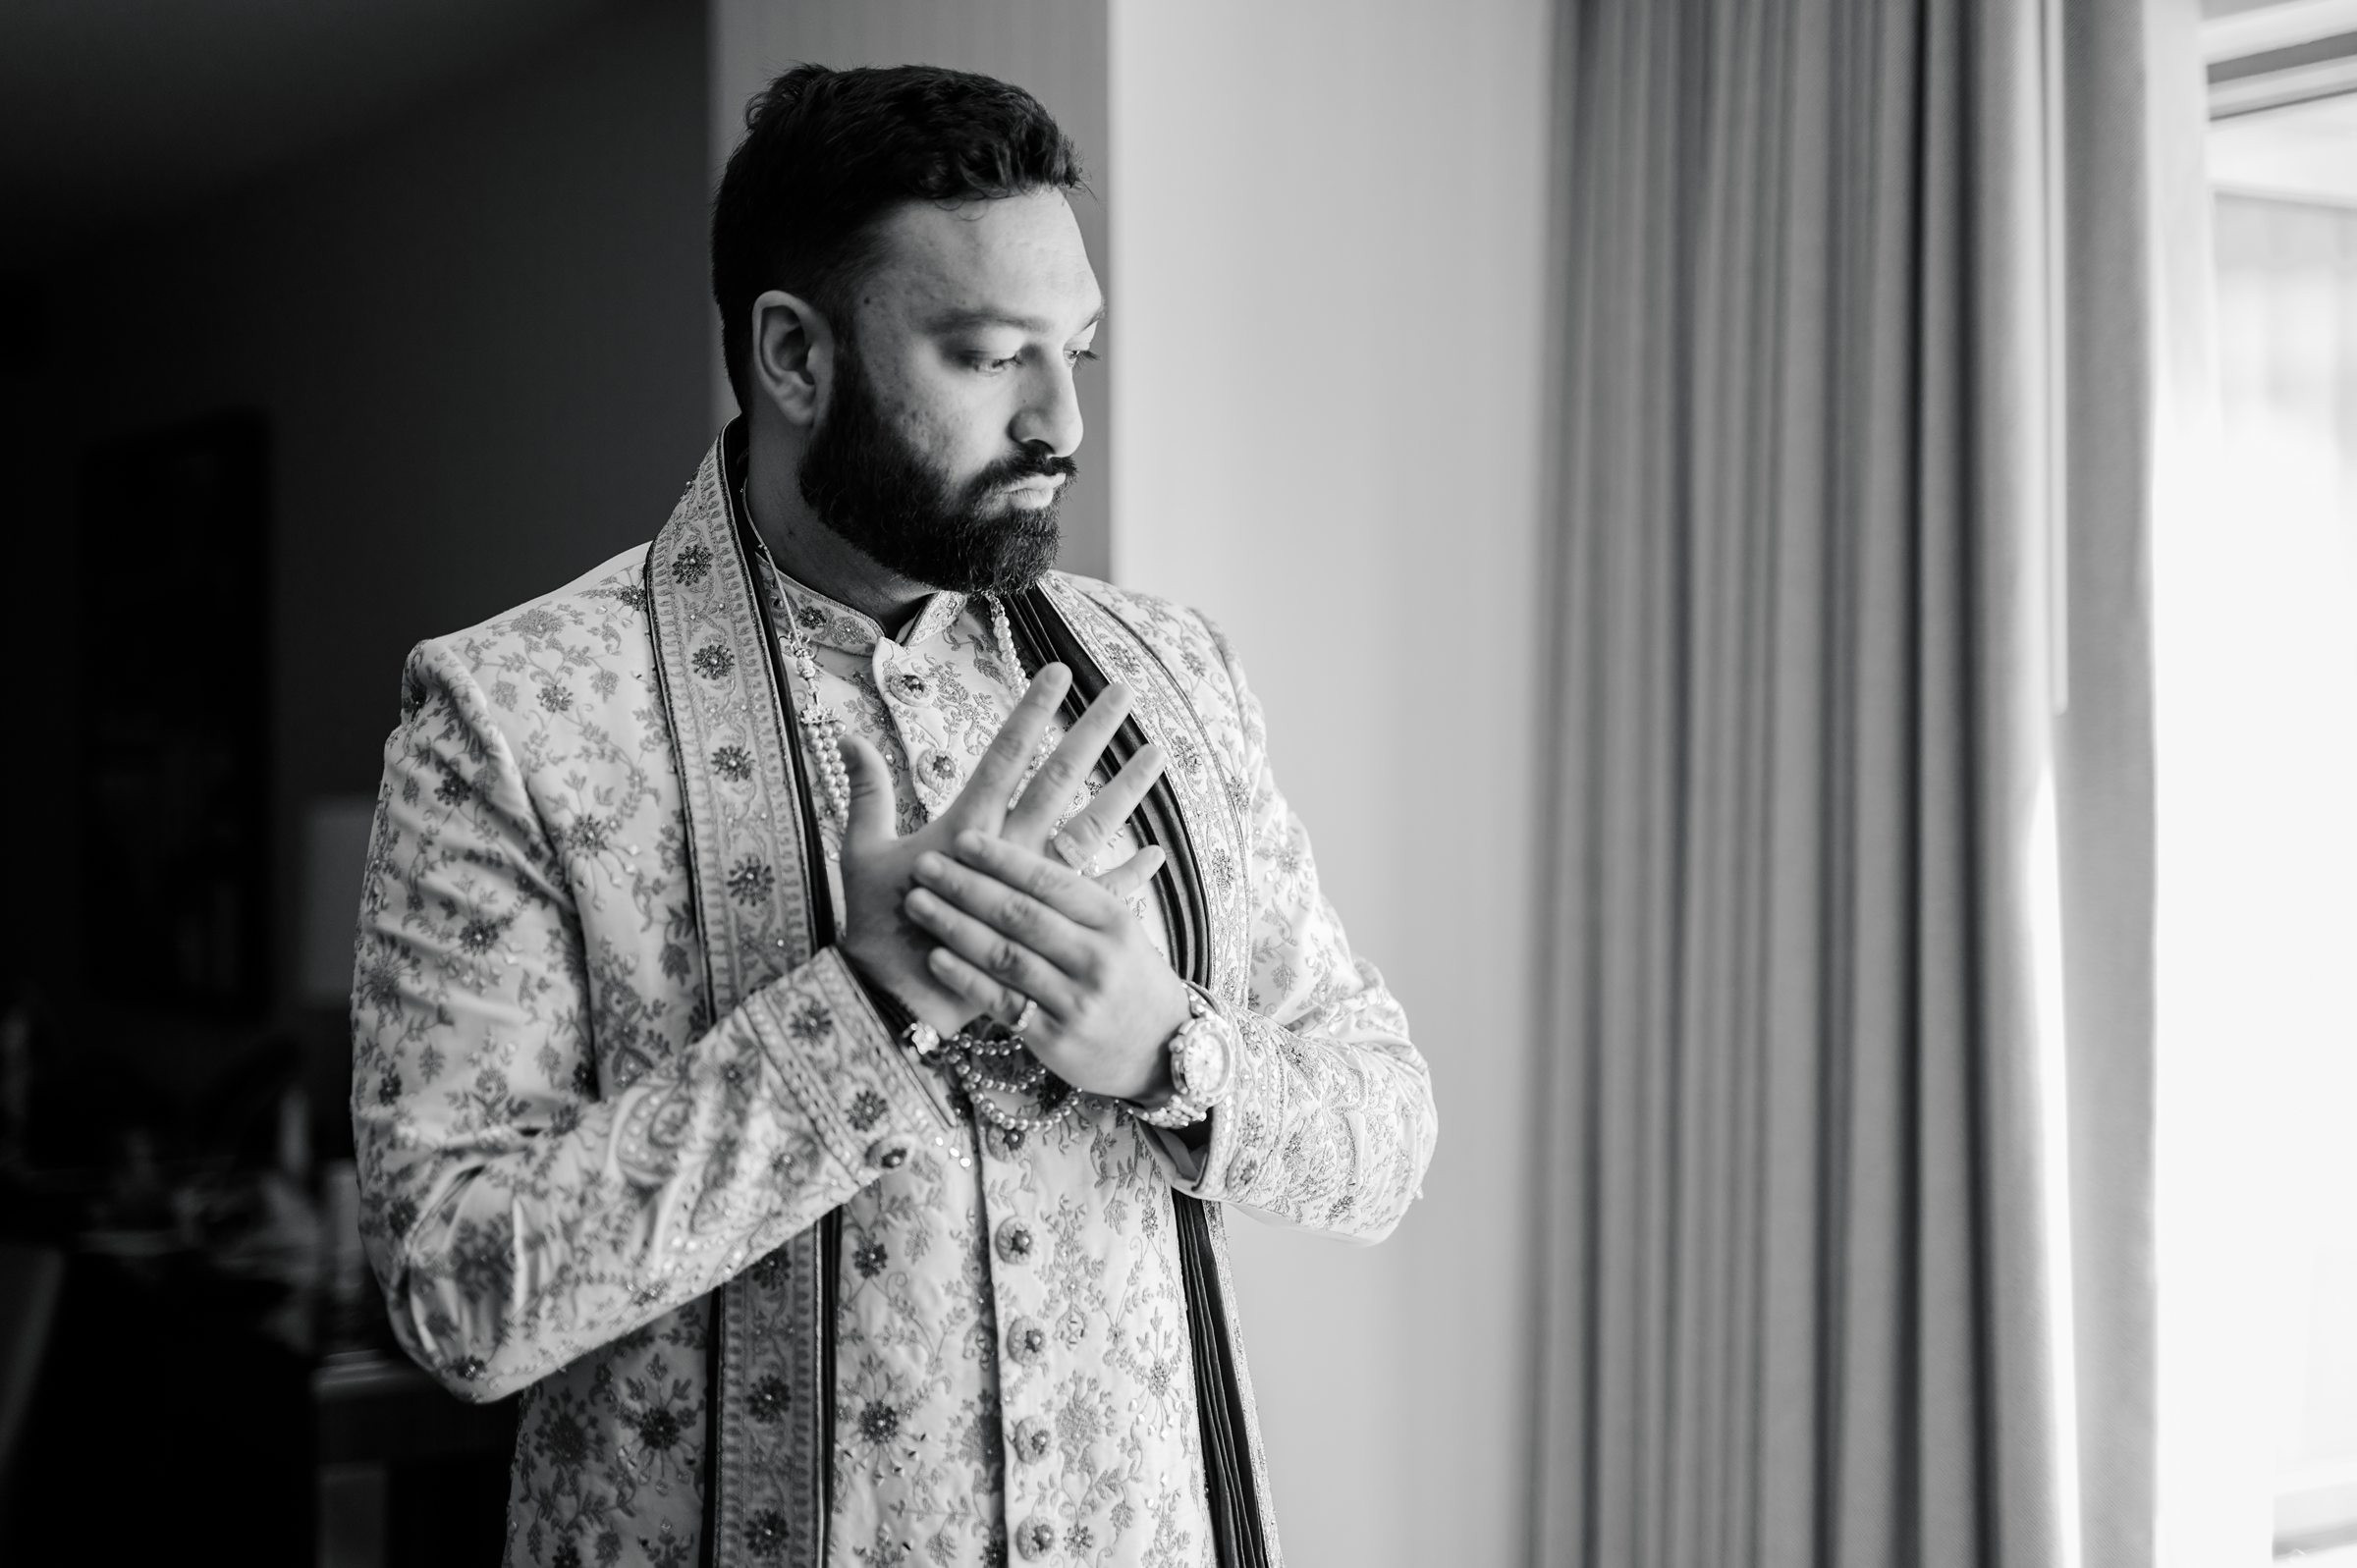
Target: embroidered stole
[{"x": 759, "y": 888}]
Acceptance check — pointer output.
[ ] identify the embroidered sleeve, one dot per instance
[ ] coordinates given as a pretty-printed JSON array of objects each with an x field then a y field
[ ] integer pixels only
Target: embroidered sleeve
[
  {"x": 521, "y": 1206},
  {"x": 1331, "y": 1123}
]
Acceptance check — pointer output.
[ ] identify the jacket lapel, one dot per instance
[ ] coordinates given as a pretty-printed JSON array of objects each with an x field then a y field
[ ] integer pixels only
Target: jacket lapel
[{"x": 758, "y": 882}]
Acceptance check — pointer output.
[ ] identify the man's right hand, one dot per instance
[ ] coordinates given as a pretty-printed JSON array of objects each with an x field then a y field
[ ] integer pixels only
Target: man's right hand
[{"x": 879, "y": 866}]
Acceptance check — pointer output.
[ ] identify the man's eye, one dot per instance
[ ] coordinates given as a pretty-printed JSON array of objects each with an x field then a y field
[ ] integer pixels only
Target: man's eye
[
  {"x": 1076, "y": 358},
  {"x": 984, "y": 362}
]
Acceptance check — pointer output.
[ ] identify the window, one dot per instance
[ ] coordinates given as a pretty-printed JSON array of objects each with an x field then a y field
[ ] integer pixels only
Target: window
[{"x": 2262, "y": 659}]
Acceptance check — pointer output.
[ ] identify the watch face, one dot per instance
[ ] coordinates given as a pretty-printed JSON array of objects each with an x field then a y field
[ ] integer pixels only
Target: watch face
[{"x": 1202, "y": 1067}]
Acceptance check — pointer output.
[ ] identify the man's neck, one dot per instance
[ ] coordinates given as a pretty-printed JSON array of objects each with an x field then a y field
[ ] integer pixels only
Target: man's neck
[{"x": 815, "y": 555}]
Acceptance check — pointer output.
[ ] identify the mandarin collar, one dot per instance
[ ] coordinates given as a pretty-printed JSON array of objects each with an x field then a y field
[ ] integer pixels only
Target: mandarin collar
[
  {"x": 826, "y": 623},
  {"x": 830, "y": 624}
]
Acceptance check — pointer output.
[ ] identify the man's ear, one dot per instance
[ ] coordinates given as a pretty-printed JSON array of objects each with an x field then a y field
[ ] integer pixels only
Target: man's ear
[{"x": 793, "y": 355}]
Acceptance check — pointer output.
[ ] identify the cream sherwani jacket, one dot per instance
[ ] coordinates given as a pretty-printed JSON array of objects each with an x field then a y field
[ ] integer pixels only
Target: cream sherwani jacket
[{"x": 614, "y": 1087}]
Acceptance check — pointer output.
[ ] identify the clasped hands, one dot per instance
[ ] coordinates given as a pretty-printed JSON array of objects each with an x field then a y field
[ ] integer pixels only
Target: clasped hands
[{"x": 967, "y": 917}]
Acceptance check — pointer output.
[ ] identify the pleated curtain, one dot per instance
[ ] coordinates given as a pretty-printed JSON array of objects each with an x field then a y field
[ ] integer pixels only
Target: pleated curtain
[{"x": 1847, "y": 1199}]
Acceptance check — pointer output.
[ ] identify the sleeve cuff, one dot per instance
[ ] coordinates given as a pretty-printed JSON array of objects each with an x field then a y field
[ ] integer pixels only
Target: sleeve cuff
[
  {"x": 1223, "y": 1168},
  {"x": 868, "y": 1099}
]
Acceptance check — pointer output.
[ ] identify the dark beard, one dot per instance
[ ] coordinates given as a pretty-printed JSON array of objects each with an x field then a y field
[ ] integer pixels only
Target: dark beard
[{"x": 866, "y": 481}]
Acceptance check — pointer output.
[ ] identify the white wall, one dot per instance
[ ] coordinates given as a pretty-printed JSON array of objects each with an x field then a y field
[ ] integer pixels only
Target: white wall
[{"x": 1328, "y": 223}]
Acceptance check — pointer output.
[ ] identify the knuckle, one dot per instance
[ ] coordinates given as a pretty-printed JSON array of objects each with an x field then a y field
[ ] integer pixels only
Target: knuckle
[
  {"x": 1006, "y": 959},
  {"x": 1019, "y": 913}
]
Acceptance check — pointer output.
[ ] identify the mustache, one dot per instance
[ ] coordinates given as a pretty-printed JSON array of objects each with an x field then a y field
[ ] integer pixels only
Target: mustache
[{"x": 1028, "y": 463}]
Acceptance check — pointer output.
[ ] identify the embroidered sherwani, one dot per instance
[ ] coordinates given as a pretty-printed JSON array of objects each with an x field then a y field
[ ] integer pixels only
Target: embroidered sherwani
[{"x": 634, "y": 1142}]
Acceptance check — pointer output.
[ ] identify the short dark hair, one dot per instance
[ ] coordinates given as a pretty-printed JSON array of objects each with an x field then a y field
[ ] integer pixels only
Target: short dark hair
[{"x": 827, "y": 153}]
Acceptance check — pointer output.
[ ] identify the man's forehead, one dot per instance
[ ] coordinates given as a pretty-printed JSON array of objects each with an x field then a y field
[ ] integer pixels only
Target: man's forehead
[{"x": 1017, "y": 261}]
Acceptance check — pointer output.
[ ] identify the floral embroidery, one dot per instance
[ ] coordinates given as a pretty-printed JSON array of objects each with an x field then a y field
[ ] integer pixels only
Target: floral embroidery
[
  {"x": 765, "y": 1533},
  {"x": 689, "y": 564},
  {"x": 768, "y": 1400},
  {"x": 751, "y": 880},
  {"x": 659, "y": 1429},
  {"x": 712, "y": 661},
  {"x": 556, "y": 699},
  {"x": 480, "y": 934},
  {"x": 733, "y": 763}
]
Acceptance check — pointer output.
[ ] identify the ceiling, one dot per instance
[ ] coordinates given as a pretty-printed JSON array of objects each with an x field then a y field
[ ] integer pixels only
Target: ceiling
[{"x": 115, "y": 110}]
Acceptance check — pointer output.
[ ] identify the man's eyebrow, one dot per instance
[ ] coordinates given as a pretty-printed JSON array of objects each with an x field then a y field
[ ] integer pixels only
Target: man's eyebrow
[{"x": 966, "y": 320}]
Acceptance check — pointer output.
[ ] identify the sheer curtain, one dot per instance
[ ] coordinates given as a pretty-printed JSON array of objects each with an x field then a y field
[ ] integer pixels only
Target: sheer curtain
[{"x": 1847, "y": 1235}]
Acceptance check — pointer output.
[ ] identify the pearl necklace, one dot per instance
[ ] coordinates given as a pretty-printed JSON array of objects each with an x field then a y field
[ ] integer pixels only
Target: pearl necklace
[
  {"x": 965, "y": 1053},
  {"x": 826, "y": 726}
]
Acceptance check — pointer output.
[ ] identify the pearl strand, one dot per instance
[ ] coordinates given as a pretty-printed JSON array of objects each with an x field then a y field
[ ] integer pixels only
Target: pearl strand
[
  {"x": 823, "y": 723},
  {"x": 1008, "y": 659},
  {"x": 1064, "y": 1103},
  {"x": 965, "y": 1053}
]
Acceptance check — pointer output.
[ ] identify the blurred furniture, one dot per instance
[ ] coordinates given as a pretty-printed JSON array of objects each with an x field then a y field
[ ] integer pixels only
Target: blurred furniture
[
  {"x": 408, "y": 1475},
  {"x": 31, "y": 1280},
  {"x": 174, "y": 772}
]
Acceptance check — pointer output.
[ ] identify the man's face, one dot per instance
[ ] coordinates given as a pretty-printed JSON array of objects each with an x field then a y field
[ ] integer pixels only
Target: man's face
[{"x": 951, "y": 421}]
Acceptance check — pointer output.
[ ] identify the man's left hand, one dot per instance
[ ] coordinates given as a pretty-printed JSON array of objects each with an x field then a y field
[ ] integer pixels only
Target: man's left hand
[{"x": 1015, "y": 926}]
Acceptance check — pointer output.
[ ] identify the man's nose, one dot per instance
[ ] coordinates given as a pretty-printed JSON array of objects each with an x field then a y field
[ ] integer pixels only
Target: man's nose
[{"x": 1050, "y": 417}]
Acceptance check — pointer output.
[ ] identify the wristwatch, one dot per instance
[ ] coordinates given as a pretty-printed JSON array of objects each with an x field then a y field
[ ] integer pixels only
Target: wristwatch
[{"x": 1203, "y": 1066}]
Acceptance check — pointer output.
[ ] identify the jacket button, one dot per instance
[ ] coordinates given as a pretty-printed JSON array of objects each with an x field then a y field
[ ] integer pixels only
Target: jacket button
[
  {"x": 1033, "y": 1439},
  {"x": 1026, "y": 1341},
  {"x": 1014, "y": 1241},
  {"x": 886, "y": 1154},
  {"x": 1035, "y": 1537}
]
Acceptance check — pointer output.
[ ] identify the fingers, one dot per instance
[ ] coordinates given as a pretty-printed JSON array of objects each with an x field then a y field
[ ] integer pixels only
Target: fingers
[
  {"x": 1059, "y": 777},
  {"x": 1133, "y": 873},
  {"x": 982, "y": 803},
  {"x": 1054, "y": 886},
  {"x": 1006, "y": 959},
  {"x": 1010, "y": 911},
  {"x": 868, "y": 816},
  {"x": 1092, "y": 827},
  {"x": 974, "y": 988}
]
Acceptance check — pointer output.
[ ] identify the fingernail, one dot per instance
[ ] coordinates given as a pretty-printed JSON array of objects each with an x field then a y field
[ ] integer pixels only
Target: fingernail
[
  {"x": 930, "y": 864},
  {"x": 970, "y": 843}
]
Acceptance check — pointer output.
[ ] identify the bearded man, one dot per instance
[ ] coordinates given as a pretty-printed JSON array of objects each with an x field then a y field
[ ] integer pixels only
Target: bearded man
[{"x": 823, "y": 975}]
